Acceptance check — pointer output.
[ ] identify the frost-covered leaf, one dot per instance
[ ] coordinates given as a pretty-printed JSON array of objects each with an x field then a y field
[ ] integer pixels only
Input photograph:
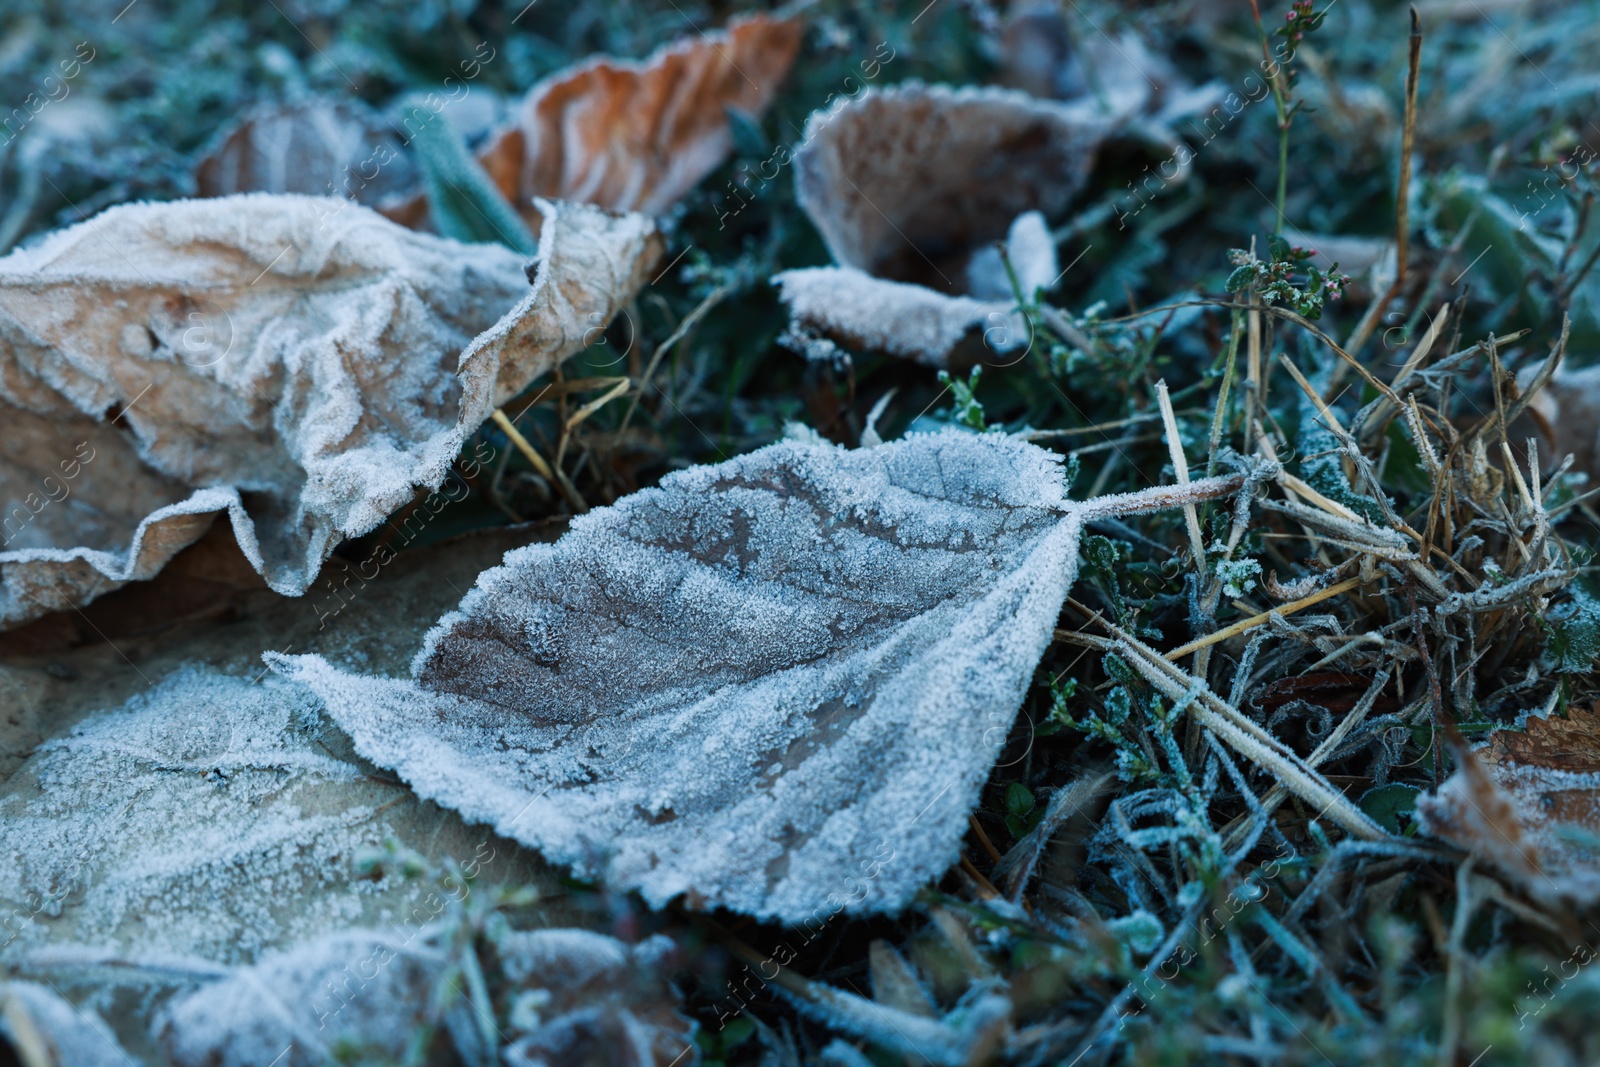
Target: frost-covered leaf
[
  {"x": 950, "y": 170},
  {"x": 302, "y": 365},
  {"x": 914, "y": 186},
  {"x": 775, "y": 685},
  {"x": 637, "y": 136},
  {"x": 574, "y": 997},
  {"x": 334, "y": 148},
  {"x": 853, "y": 308},
  {"x": 915, "y": 322},
  {"x": 1528, "y": 803},
  {"x": 208, "y": 819}
]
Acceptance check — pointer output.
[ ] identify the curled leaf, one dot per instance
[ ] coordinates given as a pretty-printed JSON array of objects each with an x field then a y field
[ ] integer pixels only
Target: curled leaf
[
  {"x": 914, "y": 186},
  {"x": 907, "y": 182},
  {"x": 637, "y": 136},
  {"x": 301, "y": 365},
  {"x": 774, "y": 685}
]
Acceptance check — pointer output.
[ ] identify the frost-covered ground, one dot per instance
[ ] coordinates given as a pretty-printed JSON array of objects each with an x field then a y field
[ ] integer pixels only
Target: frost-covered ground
[{"x": 944, "y": 533}]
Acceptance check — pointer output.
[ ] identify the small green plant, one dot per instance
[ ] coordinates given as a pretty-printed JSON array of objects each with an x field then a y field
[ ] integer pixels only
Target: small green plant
[
  {"x": 966, "y": 411},
  {"x": 1287, "y": 277},
  {"x": 1238, "y": 576}
]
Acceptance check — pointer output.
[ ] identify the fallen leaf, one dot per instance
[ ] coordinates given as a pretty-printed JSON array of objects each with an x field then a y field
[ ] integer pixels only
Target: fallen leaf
[
  {"x": 907, "y": 181},
  {"x": 300, "y": 365},
  {"x": 58, "y": 670},
  {"x": 913, "y": 185},
  {"x": 319, "y": 147},
  {"x": 1528, "y": 803},
  {"x": 636, "y": 136},
  {"x": 210, "y": 819},
  {"x": 579, "y": 997},
  {"x": 852, "y": 308},
  {"x": 691, "y": 694}
]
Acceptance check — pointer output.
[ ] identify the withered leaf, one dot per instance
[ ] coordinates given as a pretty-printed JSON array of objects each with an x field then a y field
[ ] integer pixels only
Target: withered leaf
[
  {"x": 301, "y": 365},
  {"x": 636, "y": 136},
  {"x": 773, "y": 685},
  {"x": 906, "y": 182},
  {"x": 318, "y": 147},
  {"x": 1528, "y": 803},
  {"x": 915, "y": 185},
  {"x": 914, "y": 322}
]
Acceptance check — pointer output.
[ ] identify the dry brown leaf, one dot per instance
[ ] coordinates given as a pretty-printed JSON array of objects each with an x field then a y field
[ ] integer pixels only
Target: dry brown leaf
[
  {"x": 301, "y": 365},
  {"x": 320, "y": 148},
  {"x": 1528, "y": 803},
  {"x": 913, "y": 186},
  {"x": 635, "y": 136}
]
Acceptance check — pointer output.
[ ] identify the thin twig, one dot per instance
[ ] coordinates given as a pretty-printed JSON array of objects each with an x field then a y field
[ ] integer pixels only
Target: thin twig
[{"x": 1253, "y": 621}]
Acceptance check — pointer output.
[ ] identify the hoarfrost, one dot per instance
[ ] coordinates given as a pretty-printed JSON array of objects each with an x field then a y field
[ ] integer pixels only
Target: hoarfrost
[
  {"x": 207, "y": 819},
  {"x": 774, "y": 685},
  {"x": 294, "y": 363},
  {"x": 356, "y": 991}
]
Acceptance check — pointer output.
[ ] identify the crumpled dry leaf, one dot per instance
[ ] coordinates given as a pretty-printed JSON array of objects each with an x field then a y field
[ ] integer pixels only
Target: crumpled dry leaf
[
  {"x": 688, "y": 694},
  {"x": 583, "y": 998},
  {"x": 317, "y": 147},
  {"x": 913, "y": 185},
  {"x": 208, "y": 819},
  {"x": 1528, "y": 803},
  {"x": 950, "y": 169},
  {"x": 301, "y": 365},
  {"x": 636, "y": 136}
]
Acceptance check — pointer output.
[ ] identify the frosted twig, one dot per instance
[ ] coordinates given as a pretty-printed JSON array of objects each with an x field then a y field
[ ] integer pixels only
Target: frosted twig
[{"x": 1155, "y": 498}]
